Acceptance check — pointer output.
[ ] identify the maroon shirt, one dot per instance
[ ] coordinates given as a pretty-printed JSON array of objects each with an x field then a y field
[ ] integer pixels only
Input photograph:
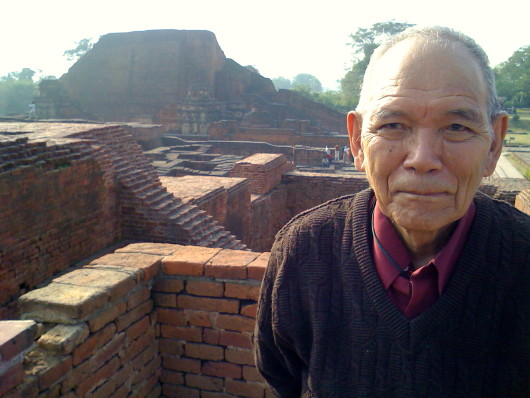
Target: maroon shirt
[{"x": 427, "y": 283}]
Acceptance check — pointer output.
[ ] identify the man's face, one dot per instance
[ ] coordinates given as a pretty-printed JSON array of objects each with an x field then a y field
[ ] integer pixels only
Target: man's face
[{"x": 425, "y": 139}]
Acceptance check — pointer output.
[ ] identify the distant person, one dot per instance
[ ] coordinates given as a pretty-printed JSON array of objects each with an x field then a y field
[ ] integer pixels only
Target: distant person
[
  {"x": 418, "y": 287},
  {"x": 337, "y": 152},
  {"x": 31, "y": 113},
  {"x": 325, "y": 161}
]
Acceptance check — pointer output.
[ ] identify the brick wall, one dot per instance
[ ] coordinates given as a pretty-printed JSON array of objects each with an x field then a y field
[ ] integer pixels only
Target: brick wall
[
  {"x": 306, "y": 190},
  {"x": 263, "y": 170},
  {"x": 522, "y": 201},
  {"x": 52, "y": 197},
  {"x": 269, "y": 214},
  {"x": 148, "y": 319}
]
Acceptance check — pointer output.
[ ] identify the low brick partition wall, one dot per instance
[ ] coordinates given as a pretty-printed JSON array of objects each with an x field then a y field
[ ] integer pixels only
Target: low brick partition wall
[
  {"x": 264, "y": 171},
  {"x": 149, "y": 319}
]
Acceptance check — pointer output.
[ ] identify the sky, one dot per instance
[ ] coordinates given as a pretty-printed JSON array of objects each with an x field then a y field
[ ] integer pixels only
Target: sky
[{"x": 278, "y": 37}]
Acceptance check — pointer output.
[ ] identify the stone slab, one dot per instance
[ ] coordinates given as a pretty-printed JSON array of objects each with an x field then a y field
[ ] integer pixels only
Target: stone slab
[
  {"x": 64, "y": 338},
  {"x": 62, "y": 303}
]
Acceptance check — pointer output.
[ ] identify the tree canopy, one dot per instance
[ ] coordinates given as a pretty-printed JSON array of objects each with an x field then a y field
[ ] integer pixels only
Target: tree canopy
[
  {"x": 306, "y": 82},
  {"x": 83, "y": 46},
  {"x": 513, "y": 78},
  {"x": 17, "y": 91},
  {"x": 364, "y": 42}
]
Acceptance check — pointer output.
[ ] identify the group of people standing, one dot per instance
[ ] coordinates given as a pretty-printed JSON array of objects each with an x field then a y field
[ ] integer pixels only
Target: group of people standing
[{"x": 341, "y": 153}]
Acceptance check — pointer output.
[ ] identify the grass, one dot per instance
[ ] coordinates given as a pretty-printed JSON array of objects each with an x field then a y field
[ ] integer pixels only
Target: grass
[
  {"x": 519, "y": 130},
  {"x": 520, "y": 165}
]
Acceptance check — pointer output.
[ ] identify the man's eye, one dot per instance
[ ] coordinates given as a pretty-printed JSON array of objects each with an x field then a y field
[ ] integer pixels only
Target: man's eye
[
  {"x": 458, "y": 128},
  {"x": 392, "y": 126}
]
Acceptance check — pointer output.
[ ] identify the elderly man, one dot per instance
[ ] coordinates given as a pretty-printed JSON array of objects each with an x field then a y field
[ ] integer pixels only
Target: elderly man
[{"x": 419, "y": 286}]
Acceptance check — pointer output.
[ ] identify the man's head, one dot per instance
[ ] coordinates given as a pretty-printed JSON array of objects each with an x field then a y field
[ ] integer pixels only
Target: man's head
[{"x": 427, "y": 128}]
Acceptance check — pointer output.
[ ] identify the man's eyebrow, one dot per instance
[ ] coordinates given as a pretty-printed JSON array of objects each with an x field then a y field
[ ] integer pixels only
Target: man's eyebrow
[
  {"x": 468, "y": 114},
  {"x": 386, "y": 113}
]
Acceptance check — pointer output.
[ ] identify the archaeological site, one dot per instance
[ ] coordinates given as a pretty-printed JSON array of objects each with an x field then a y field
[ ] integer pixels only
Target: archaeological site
[{"x": 138, "y": 212}]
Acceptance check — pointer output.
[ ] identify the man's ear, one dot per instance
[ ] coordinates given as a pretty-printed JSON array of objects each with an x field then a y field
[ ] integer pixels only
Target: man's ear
[
  {"x": 500, "y": 127},
  {"x": 354, "y": 124}
]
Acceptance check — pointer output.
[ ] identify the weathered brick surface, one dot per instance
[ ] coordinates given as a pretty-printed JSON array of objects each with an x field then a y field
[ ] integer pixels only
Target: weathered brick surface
[
  {"x": 176, "y": 333},
  {"x": 188, "y": 261}
]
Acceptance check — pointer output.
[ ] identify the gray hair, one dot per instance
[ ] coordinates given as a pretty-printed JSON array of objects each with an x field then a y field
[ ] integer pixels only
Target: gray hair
[{"x": 444, "y": 36}]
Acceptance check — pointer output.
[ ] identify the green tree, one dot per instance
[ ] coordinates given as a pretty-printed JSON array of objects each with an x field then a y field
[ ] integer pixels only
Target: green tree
[
  {"x": 513, "y": 78},
  {"x": 83, "y": 46},
  {"x": 364, "y": 41},
  {"x": 17, "y": 90},
  {"x": 281, "y": 83},
  {"x": 307, "y": 82}
]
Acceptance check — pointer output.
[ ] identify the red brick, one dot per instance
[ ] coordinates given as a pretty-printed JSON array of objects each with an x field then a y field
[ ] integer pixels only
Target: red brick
[
  {"x": 170, "y": 346},
  {"x": 160, "y": 249},
  {"x": 15, "y": 337},
  {"x": 245, "y": 389},
  {"x": 95, "y": 341},
  {"x": 166, "y": 285},
  {"x": 147, "y": 370},
  {"x": 11, "y": 377},
  {"x": 250, "y": 310},
  {"x": 236, "y": 322},
  {"x": 205, "y": 382},
  {"x": 170, "y": 316},
  {"x": 105, "y": 390},
  {"x": 204, "y": 351},
  {"x": 148, "y": 388},
  {"x": 139, "y": 361},
  {"x": 148, "y": 264},
  {"x": 169, "y": 390},
  {"x": 242, "y": 291},
  {"x": 239, "y": 356},
  {"x": 189, "y": 260},
  {"x": 181, "y": 333},
  {"x": 210, "y": 394},
  {"x": 165, "y": 300},
  {"x": 28, "y": 387},
  {"x": 133, "y": 315},
  {"x": 105, "y": 372},
  {"x": 169, "y": 376},
  {"x": 230, "y": 264},
  {"x": 199, "y": 318},
  {"x": 221, "y": 369},
  {"x": 204, "y": 288},
  {"x": 105, "y": 353},
  {"x": 256, "y": 269},
  {"x": 250, "y": 373},
  {"x": 138, "y": 328},
  {"x": 181, "y": 364},
  {"x": 208, "y": 304},
  {"x": 137, "y": 297},
  {"x": 235, "y": 339},
  {"x": 210, "y": 336},
  {"x": 106, "y": 316},
  {"x": 135, "y": 347}
]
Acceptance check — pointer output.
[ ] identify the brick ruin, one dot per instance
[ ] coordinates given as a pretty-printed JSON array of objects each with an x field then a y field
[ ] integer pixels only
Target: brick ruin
[
  {"x": 116, "y": 282},
  {"x": 182, "y": 81}
]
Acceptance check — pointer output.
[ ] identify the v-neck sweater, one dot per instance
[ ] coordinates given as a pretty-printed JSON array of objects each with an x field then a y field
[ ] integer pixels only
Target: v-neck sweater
[{"x": 326, "y": 327}]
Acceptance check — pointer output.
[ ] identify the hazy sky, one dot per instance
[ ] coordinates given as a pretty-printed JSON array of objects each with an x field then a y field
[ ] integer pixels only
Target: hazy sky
[{"x": 279, "y": 38}]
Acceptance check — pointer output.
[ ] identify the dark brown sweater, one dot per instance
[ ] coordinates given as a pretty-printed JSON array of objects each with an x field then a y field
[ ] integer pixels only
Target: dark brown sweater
[{"x": 326, "y": 327}]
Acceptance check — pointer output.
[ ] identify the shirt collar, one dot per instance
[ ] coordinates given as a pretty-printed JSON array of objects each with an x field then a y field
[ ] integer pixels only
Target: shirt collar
[{"x": 444, "y": 261}]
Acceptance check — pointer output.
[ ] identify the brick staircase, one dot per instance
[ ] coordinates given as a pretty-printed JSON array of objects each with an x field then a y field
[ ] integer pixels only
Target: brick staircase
[{"x": 149, "y": 211}]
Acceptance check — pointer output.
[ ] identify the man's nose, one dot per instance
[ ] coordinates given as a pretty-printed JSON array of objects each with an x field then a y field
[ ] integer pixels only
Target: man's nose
[{"x": 423, "y": 149}]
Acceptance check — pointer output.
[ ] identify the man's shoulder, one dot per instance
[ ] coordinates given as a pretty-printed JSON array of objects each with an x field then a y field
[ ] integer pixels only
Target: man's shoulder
[
  {"x": 506, "y": 215},
  {"x": 328, "y": 214}
]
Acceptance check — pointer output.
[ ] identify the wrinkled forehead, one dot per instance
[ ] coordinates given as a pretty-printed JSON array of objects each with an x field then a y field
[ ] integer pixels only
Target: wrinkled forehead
[{"x": 416, "y": 65}]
